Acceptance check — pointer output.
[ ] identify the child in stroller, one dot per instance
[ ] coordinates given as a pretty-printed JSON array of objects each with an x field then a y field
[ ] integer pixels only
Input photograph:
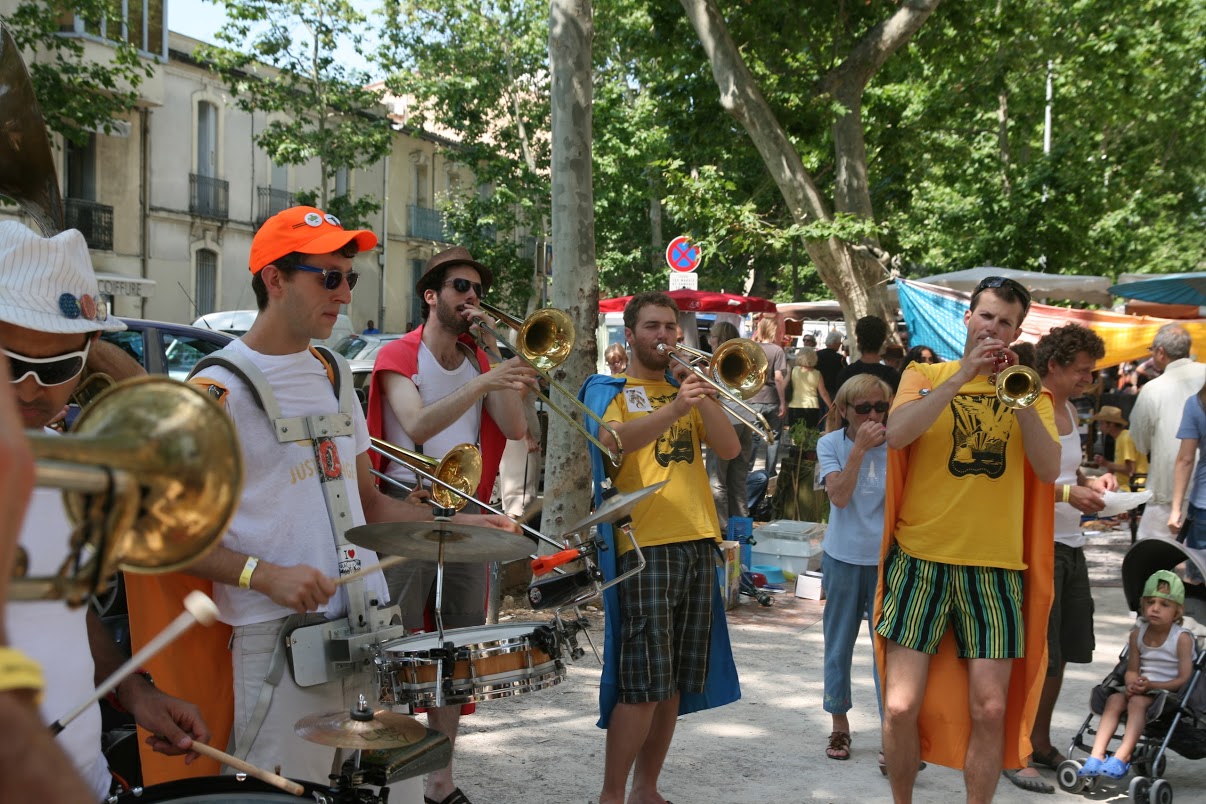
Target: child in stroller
[
  {"x": 1168, "y": 720},
  {"x": 1159, "y": 661}
]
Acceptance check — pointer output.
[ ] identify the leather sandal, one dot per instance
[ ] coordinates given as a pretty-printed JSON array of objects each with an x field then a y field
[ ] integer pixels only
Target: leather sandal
[{"x": 839, "y": 745}]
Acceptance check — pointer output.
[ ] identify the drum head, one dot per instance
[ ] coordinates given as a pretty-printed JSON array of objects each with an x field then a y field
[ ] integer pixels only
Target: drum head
[
  {"x": 462, "y": 637},
  {"x": 216, "y": 790}
]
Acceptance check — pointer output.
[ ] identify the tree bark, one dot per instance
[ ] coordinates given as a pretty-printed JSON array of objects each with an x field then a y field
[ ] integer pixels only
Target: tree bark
[
  {"x": 576, "y": 283},
  {"x": 854, "y": 272}
]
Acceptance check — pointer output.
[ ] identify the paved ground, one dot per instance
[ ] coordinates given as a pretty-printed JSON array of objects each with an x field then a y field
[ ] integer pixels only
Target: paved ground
[{"x": 769, "y": 746}]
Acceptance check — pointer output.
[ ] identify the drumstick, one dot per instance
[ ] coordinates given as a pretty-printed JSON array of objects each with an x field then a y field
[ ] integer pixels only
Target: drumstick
[
  {"x": 198, "y": 608},
  {"x": 288, "y": 785},
  {"x": 388, "y": 561}
]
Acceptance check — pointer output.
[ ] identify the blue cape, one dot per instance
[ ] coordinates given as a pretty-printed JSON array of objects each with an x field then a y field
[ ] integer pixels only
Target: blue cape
[{"x": 722, "y": 686}]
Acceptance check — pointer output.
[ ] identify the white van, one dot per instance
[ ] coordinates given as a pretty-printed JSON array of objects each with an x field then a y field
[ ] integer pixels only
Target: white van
[{"x": 236, "y": 322}]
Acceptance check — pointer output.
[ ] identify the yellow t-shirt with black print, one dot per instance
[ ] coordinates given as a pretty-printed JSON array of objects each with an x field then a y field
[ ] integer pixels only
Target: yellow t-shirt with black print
[
  {"x": 682, "y": 510},
  {"x": 962, "y": 500}
]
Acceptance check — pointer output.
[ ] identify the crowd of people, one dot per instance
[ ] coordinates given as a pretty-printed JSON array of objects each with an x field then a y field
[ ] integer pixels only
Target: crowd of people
[{"x": 911, "y": 458}]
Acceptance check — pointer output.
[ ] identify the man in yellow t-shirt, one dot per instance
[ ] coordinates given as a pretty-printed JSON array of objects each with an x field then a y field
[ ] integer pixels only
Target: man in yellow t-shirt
[
  {"x": 666, "y": 609},
  {"x": 957, "y": 560},
  {"x": 1128, "y": 460}
]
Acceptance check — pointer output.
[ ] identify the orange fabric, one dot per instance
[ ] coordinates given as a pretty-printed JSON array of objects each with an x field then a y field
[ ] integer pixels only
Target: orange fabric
[
  {"x": 195, "y": 667},
  {"x": 944, "y": 723}
]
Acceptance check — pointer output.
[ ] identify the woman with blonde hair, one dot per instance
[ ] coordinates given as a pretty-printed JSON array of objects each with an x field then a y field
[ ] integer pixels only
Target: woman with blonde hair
[{"x": 806, "y": 389}]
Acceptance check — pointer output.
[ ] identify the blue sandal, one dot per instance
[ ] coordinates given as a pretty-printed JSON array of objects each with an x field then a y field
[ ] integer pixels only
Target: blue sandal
[
  {"x": 1115, "y": 768},
  {"x": 1091, "y": 768}
]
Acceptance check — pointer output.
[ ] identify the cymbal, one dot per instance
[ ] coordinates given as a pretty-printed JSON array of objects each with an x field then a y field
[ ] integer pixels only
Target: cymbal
[
  {"x": 361, "y": 729},
  {"x": 616, "y": 507},
  {"x": 462, "y": 543}
]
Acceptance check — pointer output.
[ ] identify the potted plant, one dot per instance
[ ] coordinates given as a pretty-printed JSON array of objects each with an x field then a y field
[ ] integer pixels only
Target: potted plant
[{"x": 796, "y": 495}]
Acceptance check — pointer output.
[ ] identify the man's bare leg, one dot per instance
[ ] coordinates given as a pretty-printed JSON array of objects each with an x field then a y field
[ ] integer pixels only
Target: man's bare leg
[
  {"x": 988, "y": 688},
  {"x": 626, "y": 733},
  {"x": 1040, "y": 735},
  {"x": 446, "y": 720},
  {"x": 653, "y": 754},
  {"x": 905, "y": 673}
]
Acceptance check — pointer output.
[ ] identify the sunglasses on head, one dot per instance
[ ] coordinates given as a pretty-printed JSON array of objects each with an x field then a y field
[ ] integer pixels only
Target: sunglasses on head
[
  {"x": 866, "y": 407},
  {"x": 332, "y": 277},
  {"x": 1004, "y": 282},
  {"x": 462, "y": 285},
  {"x": 48, "y": 371}
]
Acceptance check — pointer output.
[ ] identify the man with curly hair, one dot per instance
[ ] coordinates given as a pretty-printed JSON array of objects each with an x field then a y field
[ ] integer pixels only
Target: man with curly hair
[{"x": 1064, "y": 359}]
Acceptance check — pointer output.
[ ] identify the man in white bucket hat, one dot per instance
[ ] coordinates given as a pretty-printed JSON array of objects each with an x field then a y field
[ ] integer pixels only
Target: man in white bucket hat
[{"x": 50, "y": 318}]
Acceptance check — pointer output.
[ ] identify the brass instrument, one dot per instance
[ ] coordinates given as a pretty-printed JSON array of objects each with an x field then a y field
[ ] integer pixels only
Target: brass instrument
[
  {"x": 1018, "y": 386},
  {"x": 544, "y": 340},
  {"x": 92, "y": 386},
  {"x": 737, "y": 370},
  {"x": 27, "y": 173},
  {"x": 151, "y": 476},
  {"x": 455, "y": 479}
]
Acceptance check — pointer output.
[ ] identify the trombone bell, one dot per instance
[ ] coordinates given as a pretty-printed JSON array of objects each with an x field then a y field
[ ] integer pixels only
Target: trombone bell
[
  {"x": 461, "y": 468},
  {"x": 1019, "y": 387}
]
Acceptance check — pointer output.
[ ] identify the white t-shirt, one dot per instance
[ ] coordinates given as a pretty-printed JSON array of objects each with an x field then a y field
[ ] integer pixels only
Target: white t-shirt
[
  {"x": 282, "y": 515},
  {"x": 1067, "y": 518},
  {"x": 434, "y": 383},
  {"x": 57, "y": 638}
]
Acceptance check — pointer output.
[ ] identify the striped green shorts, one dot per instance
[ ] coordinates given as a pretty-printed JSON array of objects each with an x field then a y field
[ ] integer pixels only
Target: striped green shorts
[{"x": 984, "y": 604}]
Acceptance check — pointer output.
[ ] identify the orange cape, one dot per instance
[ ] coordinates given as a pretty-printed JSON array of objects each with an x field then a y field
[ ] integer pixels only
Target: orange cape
[{"x": 944, "y": 724}]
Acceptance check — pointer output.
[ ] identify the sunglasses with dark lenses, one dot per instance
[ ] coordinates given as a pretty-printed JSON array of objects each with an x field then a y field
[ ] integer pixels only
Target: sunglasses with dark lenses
[
  {"x": 331, "y": 277},
  {"x": 867, "y": 407},
  {"x": 461, "y": 285},
  {"x": 48, "y": 371},
  {"x": 1004, "y": 282}
]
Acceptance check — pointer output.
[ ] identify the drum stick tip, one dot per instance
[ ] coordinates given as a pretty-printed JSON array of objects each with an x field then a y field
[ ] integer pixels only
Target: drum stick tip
[{"x": 203, "y": 609}]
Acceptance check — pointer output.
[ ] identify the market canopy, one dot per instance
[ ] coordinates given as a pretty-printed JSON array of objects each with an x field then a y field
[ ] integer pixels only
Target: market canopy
[
  {"x": 934, "y": 316},
  {"x": 701, "y": 301},
  {"x": 1073, "y": 287},
  {"x": 1166, "y": 289}
]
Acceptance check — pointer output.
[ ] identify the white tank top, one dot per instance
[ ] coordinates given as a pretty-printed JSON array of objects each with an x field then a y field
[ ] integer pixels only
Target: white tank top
[
  {"x": 434, "y": 383},
  {"x": 1067, "y": 518},
  {"x": 1162, "y": 663}
]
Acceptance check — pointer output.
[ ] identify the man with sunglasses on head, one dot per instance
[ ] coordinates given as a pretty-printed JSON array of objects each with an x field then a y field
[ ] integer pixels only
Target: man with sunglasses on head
[
  {"x": 431, "y": 390},
  {"x": 50, "y": 317},
  {"x": 968, "y": 550},
  {"x": 307, "y": 480}
]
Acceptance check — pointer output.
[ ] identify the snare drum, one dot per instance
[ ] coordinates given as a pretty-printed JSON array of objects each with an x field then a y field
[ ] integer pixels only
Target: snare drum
[
  {"x": 226, "y": 790},
  {"x": 487, "y": 662}
]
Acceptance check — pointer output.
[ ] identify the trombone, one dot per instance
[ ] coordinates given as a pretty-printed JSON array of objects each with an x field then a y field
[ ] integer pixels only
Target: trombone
[
  {"x": 737, "y": 369},
  {"x": 544, "y": 340},
  {"x": 454, "y": 479},
  {"x": 151, "y": 476}
]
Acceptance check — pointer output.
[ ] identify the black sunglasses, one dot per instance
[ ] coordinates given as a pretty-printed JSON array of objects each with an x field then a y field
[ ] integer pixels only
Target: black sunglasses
[
  {"x": 867, "y": 407},
  {"x": 331, "y": 277},
  {"x": 462, "y": 285},
  {"x": 1004, "y": 282},
  {"x": 48, "y": 371}
]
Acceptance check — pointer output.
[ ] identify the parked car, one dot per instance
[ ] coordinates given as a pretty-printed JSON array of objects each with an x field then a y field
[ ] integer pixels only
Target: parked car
[
  {"x": 363, "y": 347},
  {"x": 165, "y": 348},
  {"x": 236, "y": 322}
]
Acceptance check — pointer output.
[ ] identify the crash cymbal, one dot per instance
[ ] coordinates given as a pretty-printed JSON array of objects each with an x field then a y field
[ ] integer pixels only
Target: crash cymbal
[
  {"x": 616, "y": 507},
  {"x": 361, "y": 728},
  {"x": 462, "y": 543}
]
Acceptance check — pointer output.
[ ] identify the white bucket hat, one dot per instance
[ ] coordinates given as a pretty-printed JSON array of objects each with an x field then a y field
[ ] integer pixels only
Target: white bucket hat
[{"x": 47, "y": 283}]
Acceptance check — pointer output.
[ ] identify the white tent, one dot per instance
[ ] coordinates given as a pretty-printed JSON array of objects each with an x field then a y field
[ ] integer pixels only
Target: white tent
[{"x": 1073, "y": 287}]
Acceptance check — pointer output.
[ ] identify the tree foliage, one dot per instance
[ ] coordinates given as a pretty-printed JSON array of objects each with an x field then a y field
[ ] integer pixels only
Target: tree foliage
[
  {"x": 77, "y": 96},
  {"x": 281, "y": 56}
]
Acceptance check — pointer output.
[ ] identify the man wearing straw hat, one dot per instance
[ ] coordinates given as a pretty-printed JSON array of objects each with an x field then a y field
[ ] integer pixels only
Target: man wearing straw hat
[
  {"x": 50, "y": 318},
  {"x": 1128, "y": 460}
]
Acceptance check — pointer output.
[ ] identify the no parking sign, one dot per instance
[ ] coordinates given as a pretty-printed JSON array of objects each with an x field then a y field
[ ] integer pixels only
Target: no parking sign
[{"x": 682, "y": 255}]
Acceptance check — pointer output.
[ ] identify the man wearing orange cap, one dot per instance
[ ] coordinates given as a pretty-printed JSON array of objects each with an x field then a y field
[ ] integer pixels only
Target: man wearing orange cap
[
  {"x": 308, "y": 479},
  {"x": 432, "y": 390}
]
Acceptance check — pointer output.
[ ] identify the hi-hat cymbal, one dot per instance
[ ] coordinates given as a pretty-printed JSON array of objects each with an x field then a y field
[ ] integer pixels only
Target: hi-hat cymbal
[
  {"x": 361, "y": 728},
  {"x": 462, "y": 543},
  {"x": 616, "y": 507}
]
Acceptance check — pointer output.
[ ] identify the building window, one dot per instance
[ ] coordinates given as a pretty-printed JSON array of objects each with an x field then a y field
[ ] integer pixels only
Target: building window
[
  {"x": 421, "y": 185},
  {"x": 81, "y": 169},
  {"x": 207, "y": 139},
  {"x": 139, "y": 22},
  {"x": 205, "y": 297},
  {"x": 341, "y": 181}
]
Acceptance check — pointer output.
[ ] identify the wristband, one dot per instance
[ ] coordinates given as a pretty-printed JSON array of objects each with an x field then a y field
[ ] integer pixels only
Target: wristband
[
  {"x": 248, "y": 568},
  {"x": 19, "y": 672},
  {"x": 1067, "y": 493}
]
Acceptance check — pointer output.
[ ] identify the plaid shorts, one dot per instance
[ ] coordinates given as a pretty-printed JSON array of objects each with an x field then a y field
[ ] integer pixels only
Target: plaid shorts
[
  {"x": 922, "y": 598},
  {"x": 666, "y": 621}
]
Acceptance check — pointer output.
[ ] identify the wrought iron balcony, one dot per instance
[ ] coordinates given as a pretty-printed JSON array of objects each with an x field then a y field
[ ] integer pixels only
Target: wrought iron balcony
[
  {"x": 208, "y": 197},
  {"x": 427, "y": 224},
  {"x": 270, "y": 201},
  {"x": 93, "y": 220}
]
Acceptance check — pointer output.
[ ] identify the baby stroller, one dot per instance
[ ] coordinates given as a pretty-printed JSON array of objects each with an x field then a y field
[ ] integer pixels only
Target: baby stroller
[{"x": 1178, "y": 723}]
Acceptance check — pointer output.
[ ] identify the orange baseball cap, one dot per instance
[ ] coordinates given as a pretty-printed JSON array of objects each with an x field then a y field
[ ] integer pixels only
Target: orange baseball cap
[{"x": 306, "y": 230}]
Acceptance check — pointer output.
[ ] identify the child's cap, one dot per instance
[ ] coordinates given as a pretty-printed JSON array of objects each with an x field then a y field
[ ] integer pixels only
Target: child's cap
[{"x": 1176, "y": 589}]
